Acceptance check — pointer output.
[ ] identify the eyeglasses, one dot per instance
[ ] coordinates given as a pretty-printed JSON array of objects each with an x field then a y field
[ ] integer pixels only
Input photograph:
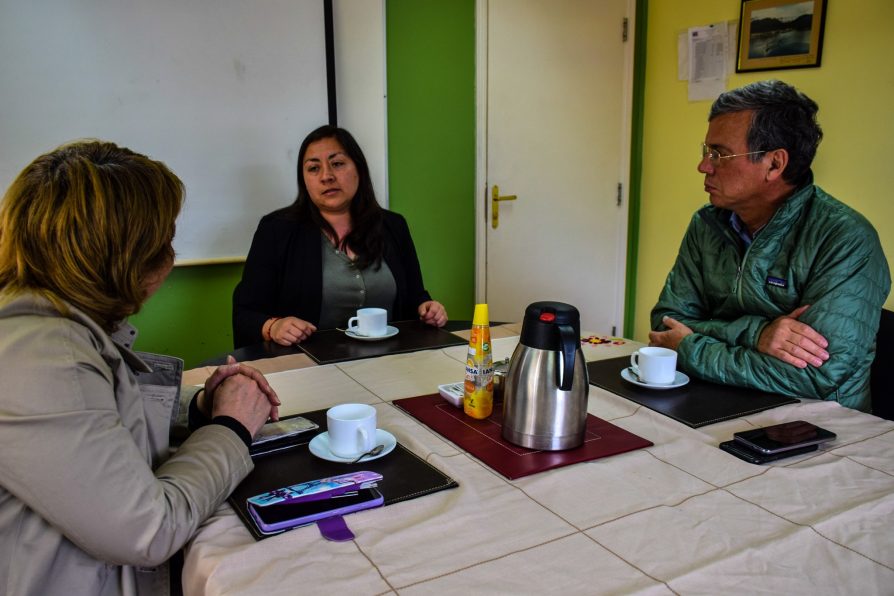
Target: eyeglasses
[{"x": 715, "y": 156}]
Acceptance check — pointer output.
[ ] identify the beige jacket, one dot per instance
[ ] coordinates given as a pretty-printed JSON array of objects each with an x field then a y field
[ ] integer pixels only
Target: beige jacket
[{"x": 91, "y": 501}]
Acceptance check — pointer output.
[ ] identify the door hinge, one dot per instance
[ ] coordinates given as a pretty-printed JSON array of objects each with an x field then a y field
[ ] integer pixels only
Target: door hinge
[
  {"x": 624, "y": 26},
  {"x": 620, "y": 192}
]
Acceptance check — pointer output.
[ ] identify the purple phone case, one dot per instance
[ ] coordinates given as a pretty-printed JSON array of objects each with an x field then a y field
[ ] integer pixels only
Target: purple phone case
[
  {"x": 304, "y": 520},
  {"x": 324, "y": 488}
]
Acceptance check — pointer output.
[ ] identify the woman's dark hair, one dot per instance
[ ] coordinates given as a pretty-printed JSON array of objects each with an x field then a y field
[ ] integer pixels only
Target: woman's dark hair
[
  {"x": 783, "y": 118},
  {"x": 366, "y": 236}
]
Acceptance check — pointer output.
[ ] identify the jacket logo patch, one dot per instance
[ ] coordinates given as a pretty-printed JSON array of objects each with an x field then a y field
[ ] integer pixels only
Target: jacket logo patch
[{"x": 778, "y": 282}]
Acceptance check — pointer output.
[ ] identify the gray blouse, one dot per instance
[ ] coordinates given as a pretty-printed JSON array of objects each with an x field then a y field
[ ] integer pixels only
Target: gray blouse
[{"x": 346, "y": 288}]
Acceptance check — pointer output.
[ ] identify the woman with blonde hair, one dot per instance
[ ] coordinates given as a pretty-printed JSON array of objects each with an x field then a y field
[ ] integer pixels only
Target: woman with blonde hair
[{"x": 92, "y": 501}]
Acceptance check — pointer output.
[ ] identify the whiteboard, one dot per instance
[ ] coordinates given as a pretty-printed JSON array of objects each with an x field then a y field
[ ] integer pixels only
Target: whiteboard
[{"x": 222, "y": 91}]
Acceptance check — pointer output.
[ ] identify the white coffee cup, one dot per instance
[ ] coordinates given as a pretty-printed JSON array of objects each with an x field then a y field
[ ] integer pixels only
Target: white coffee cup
[
  {"x": 371, "y": 322},
  {"x": 352, "y": 429},
  {"x": 654, "y": 365}
]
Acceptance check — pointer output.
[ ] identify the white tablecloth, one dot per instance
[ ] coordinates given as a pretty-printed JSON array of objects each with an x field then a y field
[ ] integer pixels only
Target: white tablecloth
[{"x": 680, "y": 517}]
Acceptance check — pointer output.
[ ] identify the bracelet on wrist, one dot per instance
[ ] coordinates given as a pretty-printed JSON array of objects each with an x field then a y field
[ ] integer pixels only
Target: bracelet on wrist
[{"x": 267, "y": 328}]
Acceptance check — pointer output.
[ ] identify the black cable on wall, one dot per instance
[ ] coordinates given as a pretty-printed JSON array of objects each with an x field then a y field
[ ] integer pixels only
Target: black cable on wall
[{"x": 330, "y": 62}]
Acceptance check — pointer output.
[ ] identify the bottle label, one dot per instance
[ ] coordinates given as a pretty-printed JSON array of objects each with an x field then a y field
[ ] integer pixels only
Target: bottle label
[
  {"x": 479, "y": 382},
  {"x": 474, "y": 370}
]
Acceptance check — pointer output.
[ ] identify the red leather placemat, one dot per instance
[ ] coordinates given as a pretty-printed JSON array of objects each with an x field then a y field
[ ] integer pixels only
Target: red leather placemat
[{"x": 482, "y": 438}]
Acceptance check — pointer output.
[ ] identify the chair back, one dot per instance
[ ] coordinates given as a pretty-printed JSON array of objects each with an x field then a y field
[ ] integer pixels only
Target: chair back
[{"x": 881, "y": 377}]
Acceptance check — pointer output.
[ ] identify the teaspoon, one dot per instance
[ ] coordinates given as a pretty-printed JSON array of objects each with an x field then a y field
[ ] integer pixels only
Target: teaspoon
[{"x": 372, "y": 452}]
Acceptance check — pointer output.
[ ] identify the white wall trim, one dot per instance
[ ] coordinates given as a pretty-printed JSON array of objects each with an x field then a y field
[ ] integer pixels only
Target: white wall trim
[
  {"x": 360, "y": 85},
  {"x": 624, "y": 173},
  {"x": 481, "y": 210}
]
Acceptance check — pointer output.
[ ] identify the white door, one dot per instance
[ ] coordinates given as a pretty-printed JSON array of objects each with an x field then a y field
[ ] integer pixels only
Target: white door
[{"x": 554, "y": 131}]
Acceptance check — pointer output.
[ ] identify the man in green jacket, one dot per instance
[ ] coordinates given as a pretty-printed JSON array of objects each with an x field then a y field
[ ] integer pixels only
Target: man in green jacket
[{"x": 778, "y": 286}]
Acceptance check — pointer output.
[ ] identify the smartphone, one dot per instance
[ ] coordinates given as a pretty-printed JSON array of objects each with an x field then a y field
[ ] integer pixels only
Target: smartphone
[
  {"x": 281, "y": 429},
  {"x": 282, "y": 434},
  {"x": 272, "y": 519},
  {"x": 756, "y": 457},
  {"x": 783, "y": 437}
]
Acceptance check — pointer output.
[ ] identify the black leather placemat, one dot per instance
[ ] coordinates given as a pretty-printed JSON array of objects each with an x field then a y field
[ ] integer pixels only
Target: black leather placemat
[
  {"x": 332, "y": 345},
  {"x": 695, "y": 404},
  {"x": 404, "y": 474}
]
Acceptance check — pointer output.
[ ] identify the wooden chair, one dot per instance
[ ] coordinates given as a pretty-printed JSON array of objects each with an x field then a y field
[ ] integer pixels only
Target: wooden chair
[{"x": 881, "y": 381}]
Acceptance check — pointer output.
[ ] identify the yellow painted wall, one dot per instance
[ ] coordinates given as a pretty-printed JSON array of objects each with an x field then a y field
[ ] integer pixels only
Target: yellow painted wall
[{"x": 854, "y": 88}]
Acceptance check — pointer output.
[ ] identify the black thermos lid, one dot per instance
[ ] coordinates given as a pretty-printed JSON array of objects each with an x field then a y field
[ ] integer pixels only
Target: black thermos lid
[{"x": 540, "y": 328}]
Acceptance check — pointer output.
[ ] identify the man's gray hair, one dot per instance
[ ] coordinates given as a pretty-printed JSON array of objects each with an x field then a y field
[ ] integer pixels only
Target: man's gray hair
[{"x": 784, "y": 118}]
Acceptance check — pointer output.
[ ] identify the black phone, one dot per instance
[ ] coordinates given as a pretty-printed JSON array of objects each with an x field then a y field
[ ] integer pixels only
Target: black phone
[
  {"x": 783, "y": 437},
  {"x": 756, "y": 457}
]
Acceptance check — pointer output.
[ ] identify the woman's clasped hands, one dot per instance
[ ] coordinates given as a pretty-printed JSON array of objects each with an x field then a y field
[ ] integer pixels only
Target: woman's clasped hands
[{"x": 240, "y": 392}]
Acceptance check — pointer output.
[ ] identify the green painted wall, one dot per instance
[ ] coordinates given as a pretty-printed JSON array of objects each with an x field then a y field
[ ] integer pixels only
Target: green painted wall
[
  {"x": 636, "y": 164},
  {"x": 189, "y": 316},
  {"x": 431, "y": 140},
  {"x": 431, "y": 154}
]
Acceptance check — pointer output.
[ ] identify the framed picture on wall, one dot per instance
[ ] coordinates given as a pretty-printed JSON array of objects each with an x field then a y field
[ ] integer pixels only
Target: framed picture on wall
[{"x": 777, "y": 34}]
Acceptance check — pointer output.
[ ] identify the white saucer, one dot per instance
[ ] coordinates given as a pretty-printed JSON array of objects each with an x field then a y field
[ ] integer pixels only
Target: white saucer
[
  {"x": 389, "y": 332},
  {"x": 680, "y": 379},
  {"x": 319, "y": 446}
]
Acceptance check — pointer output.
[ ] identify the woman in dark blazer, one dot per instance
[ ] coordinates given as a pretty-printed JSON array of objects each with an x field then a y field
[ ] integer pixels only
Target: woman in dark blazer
[{"x": 334, "y": 250}]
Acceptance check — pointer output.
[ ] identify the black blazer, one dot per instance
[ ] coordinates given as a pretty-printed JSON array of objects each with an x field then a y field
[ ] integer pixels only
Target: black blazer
[{"x": 283, "y": 274}]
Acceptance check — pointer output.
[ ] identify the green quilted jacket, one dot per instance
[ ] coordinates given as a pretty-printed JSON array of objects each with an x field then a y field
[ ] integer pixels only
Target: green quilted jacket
[{"x": 815, "y": 250}]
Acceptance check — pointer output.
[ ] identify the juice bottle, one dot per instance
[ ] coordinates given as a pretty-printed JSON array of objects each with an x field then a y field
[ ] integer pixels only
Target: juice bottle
[{"x": 478, "y": 389}]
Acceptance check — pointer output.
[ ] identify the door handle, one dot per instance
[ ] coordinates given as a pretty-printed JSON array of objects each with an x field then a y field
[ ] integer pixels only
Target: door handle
[{"x": 495, "y": 199}]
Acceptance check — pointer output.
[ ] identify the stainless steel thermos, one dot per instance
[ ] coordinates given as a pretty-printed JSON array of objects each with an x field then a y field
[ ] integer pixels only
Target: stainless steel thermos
[{"x": 545, "y": 394}]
